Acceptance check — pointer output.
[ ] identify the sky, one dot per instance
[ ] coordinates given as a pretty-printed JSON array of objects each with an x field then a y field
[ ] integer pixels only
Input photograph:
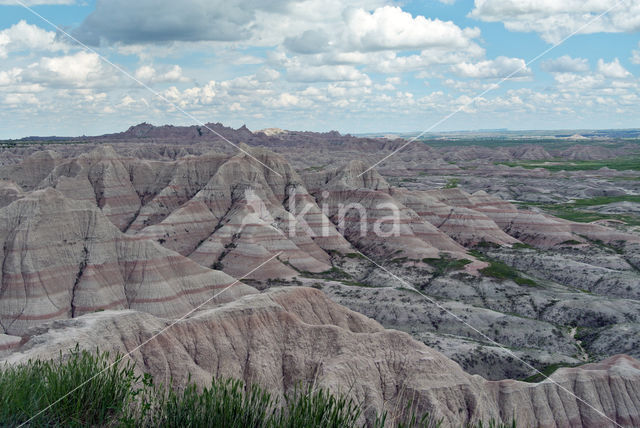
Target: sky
[{"x": 355, "y": 66}]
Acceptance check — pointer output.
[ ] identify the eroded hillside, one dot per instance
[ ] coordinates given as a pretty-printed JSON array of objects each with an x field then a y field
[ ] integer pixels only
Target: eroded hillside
[{"x": 105, "y": 245}]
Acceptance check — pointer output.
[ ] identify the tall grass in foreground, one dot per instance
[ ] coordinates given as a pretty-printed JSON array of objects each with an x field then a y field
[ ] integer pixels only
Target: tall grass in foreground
[
  {"x": 27, "y": 389},
  {"x": 117, "y": 397}
]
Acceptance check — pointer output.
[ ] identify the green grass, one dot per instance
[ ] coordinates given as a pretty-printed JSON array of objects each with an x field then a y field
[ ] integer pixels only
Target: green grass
[
  {"x": 354, "y": 256},
  {"x": 502, "y": 271},
  {"x": 570, "y": 242},
  {"x": 115, "y": 396},
  {"x": 334, "y": 273},
  {"x": 546, "y": 371},
  {"x": 604, "y": 200},
  {"x": 446, "y": 264},
  {"x": 575, "y": 210},
  {"x": 573, "y": 214},
  {"x": 521, "y": 245},
  {"x": 619, "y": 164},
  {"x": 27, "y": 389}
]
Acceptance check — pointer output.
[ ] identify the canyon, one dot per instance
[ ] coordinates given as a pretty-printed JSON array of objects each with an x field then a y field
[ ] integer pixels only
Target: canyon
[{"x": 446, "y": 274}]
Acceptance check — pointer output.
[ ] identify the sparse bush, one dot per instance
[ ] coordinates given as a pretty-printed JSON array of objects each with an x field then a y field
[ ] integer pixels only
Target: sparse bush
[
  {"x": 452, "y": 183},
  {"x": 503, "y": 271},
  {"x": 522, "y": 245},
  {"x": 446, "y": 264},
  {"x": 354, "y": 256}
]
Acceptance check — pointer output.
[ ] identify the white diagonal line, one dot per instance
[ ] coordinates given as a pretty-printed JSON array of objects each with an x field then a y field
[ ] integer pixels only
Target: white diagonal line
[
  {"x": 144, "y": 85},
  {"x": 149, "y": 340},
  {"x": 410, "y": 286},
  {"x": 491, "y": 88}
]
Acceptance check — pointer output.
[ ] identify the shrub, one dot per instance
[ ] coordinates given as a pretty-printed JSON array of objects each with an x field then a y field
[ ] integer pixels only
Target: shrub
[
  {"x": 502, "y": 271},
  {"x": 354, "y": 256},
  {"x": 446, "y": 264}
]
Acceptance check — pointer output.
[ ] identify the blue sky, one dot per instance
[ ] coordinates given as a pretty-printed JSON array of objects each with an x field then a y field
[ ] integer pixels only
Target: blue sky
[{"x": 354, "y": 66}]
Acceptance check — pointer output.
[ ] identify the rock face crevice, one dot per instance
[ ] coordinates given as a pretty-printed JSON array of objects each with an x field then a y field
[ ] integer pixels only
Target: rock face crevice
[{"x": 81, "y": 268}]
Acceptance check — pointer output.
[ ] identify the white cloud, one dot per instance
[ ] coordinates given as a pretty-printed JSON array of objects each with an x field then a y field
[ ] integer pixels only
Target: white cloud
[
  {"x": 391, "y": 28},
  {"x": 565, "y": 64},
  {"x": 473, "y": 86},
  {"x": 285, "y": 100},
  {"x": 148, "y": 74},
  {"x": 27, "y": 37},
  {"x": 556, "y": 19},
  {"x": 127, "y": 100},
  {"x": 309, "y": 42},
  {"x": 18, "y": 100},
  {"x": 196, "y": 95},
  {"x": 501, "y": 67},
  {"x": 578, "y": 82},
  {"x": 612, "y": 70},
  {"x": 324, "y": 73},
  {"x": 82, "y": 69},
  {"x": 10, "y": 77}
]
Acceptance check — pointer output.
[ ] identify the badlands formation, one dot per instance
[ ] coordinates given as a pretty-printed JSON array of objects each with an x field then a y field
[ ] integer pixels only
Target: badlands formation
[{"x": 388, "y": 284}]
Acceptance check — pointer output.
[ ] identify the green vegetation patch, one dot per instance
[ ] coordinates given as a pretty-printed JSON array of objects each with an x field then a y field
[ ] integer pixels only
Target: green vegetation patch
[
  {"x": 452, "y": 183},
  {"x": 523, "y": 246},
  {"x": 354, "y": 256},
  {"x": 604, "y": 200},
  {"x": 29, "y": 389},
  {"x": 578, "y": 210},
  {"x": 619, "y": 164},
  {"x": 446, "y": 264},
  {"x": 546, "y": 372},
  {"x": 502, "y": 271}
]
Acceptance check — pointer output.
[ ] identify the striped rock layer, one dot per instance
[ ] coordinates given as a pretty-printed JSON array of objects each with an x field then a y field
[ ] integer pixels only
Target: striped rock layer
[
  {"x": 63, "y": 258},
  {"x": 101, "y": 230}
]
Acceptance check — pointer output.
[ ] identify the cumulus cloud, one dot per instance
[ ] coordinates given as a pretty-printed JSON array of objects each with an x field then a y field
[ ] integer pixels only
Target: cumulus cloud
[
  {"x": 325, "y": 73},
  {"x": 285, "y": 100},
  {"x": 148, "y": 74},
  {"x": 19, "y": 100},
  {"x": 556, "y": 19},
  {"x": 613, "y": 69},
  {"x": 391, "y": 28},
  {"x": 498, "y": 68},
  {"x": 309, "y": 42},
  {"x": 10, "y": 77},
  {"x": 565, "y": 64},
  {"x": 79, "y": 70},
  {"x": 27, "y": 37}
]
